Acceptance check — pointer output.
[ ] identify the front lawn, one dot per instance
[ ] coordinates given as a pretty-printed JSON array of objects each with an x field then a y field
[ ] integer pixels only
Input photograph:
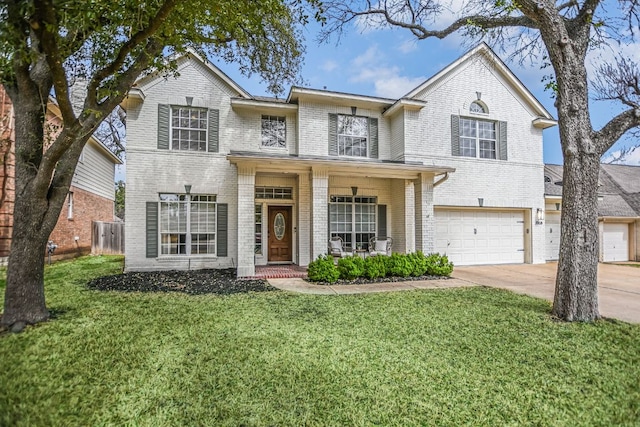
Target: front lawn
[{"x": 472, "y": 356}]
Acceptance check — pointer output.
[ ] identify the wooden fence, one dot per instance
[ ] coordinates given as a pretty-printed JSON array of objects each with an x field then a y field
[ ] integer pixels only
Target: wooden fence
[{"x": 107, "y": 238}]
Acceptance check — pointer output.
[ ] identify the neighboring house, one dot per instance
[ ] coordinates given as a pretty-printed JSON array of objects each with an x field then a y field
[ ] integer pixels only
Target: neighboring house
[
  {"x": 91, "y": 195},
  {"x": 618, "y": 211},
  {"x": 219, "y": 178}
]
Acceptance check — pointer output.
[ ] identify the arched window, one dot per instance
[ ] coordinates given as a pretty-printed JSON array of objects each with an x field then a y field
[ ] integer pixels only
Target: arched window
[{"x": 477, "y": 107}]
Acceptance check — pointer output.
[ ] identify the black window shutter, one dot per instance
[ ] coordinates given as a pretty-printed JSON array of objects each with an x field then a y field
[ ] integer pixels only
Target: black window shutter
[
  {"x": 163, "y": 126},
  {"x": 382, "y": 221},
  {"x": 333, "y": 134},
  {"x": 214, "y": 131},
  {"x": 455, "y": 135},
  {"x": 373, "y": 137},
  {"x": 222, "y": 229},
  {"x": 503, "y": 140},
  {"x": 152, "y": 229}
]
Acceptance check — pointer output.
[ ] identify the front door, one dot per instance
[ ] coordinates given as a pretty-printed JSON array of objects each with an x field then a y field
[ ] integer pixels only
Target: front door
[{"x": 280, "y": 234}]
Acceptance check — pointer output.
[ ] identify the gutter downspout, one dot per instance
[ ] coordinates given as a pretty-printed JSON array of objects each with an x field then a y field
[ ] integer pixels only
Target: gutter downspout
[{"x": 441, "y": 180}]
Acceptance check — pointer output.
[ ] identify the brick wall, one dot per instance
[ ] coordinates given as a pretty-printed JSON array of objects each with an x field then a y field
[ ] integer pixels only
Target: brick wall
[
  {"x": 7, "y": 172},
  {"x": 87, "y": 207}
]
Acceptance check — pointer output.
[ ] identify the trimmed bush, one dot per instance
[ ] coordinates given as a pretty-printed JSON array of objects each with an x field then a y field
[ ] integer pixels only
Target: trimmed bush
[
  {"x": 419, "y": 262},
  {"x": 375, "y": 266},
  {"x": 401, "y": 265},
  {"x": 323, "y": 270},
  {"x": 351, "y": 267},
  {"x": 439, "y": 265}
]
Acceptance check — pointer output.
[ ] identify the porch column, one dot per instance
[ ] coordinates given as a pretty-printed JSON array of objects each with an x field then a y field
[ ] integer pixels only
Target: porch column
[
  {"x": 304, "y": 219},
  {"x": 425, "y": 222},
  {"x": 319, "y": 211},
  {"x": 409, "y": 216},
  {"x": 246, "y": 220}
]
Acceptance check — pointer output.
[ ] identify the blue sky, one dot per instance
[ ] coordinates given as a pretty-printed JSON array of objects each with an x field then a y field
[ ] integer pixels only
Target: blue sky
[{"x": 389, "y": 63}]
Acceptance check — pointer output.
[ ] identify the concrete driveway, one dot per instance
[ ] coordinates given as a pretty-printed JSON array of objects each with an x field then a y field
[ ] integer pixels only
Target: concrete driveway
[{"x": 618, "y": 285}]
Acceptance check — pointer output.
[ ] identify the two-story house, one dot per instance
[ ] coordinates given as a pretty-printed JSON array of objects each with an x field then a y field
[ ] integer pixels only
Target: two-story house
[
  {"x": 219, "y": 178},
  {"x": 91, "y": 194}
]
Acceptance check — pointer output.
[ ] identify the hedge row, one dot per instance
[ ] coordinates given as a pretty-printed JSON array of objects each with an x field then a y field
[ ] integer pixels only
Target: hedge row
[{"x": 416, "y": 264}]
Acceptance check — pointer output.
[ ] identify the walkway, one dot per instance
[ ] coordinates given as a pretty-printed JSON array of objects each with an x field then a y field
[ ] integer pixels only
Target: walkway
[{"x": 303, "y": 287}]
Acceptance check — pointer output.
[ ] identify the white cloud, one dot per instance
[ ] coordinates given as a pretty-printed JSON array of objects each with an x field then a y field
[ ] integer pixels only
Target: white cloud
[
  {"x": 628, "y": 157},
  {"x": 329, "y": 65},
  {"x": 387, "y": 80},
  {"x": 408, "y": 46}
]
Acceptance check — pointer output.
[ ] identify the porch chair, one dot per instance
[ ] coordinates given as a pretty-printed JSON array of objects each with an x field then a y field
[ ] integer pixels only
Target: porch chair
[
  {"x": 336, "y": 248},
  {"x": 380, "y": 246}
]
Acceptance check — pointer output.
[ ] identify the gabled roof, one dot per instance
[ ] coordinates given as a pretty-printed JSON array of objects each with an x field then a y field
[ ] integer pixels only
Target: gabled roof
[
  {"x": 484, "y": 50},
  {"x": 618, "y": 189},
  {"x": 191, "y": 54}
]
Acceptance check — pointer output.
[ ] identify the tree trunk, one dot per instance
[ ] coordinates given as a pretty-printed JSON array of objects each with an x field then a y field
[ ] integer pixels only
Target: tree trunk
[
  {"x": 32, "y": 221},
  {"x": 576, "y": 294}
]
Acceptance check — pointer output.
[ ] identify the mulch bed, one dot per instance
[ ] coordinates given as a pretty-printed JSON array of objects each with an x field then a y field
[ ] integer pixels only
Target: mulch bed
[
  {"x": 366, "y": 281},
  {"x": 195, "y": 282}
]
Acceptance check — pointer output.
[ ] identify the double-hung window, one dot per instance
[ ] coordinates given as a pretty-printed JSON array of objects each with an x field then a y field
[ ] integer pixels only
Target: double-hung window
[
  {"x": 353, "y": 136},
  {"x": 189, "y": 128},
  {"x": 353, "y": 219},
  {"x": 274, "y": 132},
  {"x": 477, "y": 138},
  {"x": 187, "y": 224}
]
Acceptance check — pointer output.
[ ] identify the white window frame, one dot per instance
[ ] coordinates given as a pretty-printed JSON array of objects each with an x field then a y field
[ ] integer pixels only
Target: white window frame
[
  {"x": 267, "y": 125},
  {"x": 173, "y": 127},
  {"x": 346, "y": 136},
  {"x": 70, "y": 205},
  {"x": 352, "y": 226},
  {"x": 191, "y": 227},
  {"x": 478, "y": 137}
]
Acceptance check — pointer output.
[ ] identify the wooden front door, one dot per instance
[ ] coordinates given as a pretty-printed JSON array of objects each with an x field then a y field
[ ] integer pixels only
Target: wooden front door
[{"x": 280, "y": 249}]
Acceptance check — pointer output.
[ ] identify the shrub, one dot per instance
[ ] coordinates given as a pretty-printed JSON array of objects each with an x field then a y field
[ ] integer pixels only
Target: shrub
[
  {"x": 375, "y": 266},
  {"x": 351, "y": 267},
  {"x": 439, "y": 265},
  {"x": 401, "y": 265},
  {"x": 323, "y": 270},
  {"x": 419, "y": 262}
]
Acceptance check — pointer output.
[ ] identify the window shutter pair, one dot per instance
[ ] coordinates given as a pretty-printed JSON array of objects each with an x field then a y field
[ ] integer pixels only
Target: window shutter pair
[
  {"x": 152, "y": 230},
  {"x": 333, "y": 136},
  {"x": 213, "y": 128},
  {"x": 501, "y": 133}
]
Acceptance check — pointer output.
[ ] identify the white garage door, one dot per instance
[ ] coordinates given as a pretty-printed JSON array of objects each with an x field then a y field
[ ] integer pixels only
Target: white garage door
[
  {"x": 552, "y": 239},
  {"x": 480, "y": 237},
  {"x": 615, "y": 242}
]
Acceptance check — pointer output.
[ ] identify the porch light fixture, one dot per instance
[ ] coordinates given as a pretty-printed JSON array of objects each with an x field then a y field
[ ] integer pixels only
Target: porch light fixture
[
  {"x": 557, "y": 206},
  {"x": 187, "y": 188},
  {"x": 189, "y": 100},
  {"x": 480, "y": 201},
  {"x": 353, "y": 110},
  {"x": 354, "y": 190},
  {"x": 479, "y": 95},
  {"x": 539, "y": 216}
]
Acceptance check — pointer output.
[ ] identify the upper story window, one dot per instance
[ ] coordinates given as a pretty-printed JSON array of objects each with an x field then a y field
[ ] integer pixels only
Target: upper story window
[
  {"x": 274, "y": 131},
  {"x": 477, "y": 108},
  {"x": 353, "y": 136},
  {"x": 477, "y": 138},
  {"x": 484, "y": 139},
  {"x": 188, "y": 129}
]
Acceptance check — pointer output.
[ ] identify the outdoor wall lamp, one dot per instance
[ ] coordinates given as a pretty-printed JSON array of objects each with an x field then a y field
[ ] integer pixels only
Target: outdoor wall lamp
[
  {"x": 353, "y": 110},
  {"x": 557, "y": 206},
  {"x": 187, "y": 188},
  {"x": 539, "y": 216},
  {"x": 354, "y": 190},
  {"x": 480, "y": 201}
]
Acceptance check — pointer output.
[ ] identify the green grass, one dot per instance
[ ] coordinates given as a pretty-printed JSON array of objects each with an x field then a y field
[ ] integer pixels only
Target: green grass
[{"x": 471, "y": 356}]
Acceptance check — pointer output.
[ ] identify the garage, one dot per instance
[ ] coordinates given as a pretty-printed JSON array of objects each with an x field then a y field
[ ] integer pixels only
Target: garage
[
  {"x": 552, "y": 236},
  {"x": 615, "y": 242},
  {"x": 472, "y": 237}
]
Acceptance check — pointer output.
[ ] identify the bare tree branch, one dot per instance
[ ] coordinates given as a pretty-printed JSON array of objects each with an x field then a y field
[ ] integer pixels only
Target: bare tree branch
[{"x": 618, "y": 126}]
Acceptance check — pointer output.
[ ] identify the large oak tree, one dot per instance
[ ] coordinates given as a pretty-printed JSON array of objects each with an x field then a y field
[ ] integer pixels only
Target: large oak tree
[
  {"x": 46, "y": 45},
  {"x": 564, "y": 31}
]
